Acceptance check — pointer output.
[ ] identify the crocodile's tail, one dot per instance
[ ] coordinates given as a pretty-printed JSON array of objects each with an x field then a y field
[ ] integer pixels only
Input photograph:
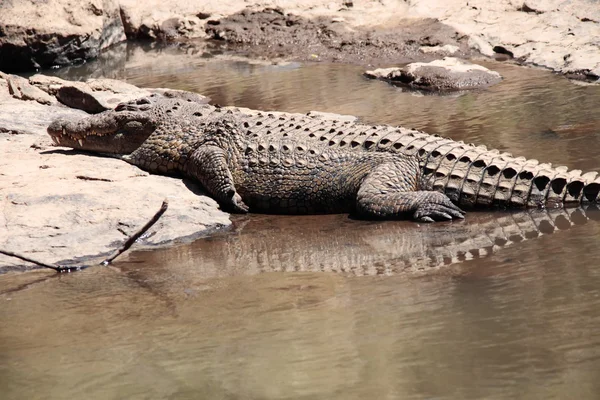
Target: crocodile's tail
[{"x": 477, "y": 177}]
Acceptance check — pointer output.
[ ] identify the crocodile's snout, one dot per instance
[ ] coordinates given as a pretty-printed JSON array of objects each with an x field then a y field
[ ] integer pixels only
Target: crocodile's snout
[
  {"x": 109, "y": 132},
  {"x": 55, "y": 128},
  {"x": 60, "y": 136}
]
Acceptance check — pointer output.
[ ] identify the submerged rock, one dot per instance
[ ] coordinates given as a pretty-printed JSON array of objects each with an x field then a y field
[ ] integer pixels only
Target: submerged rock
[{"x": 447, "y": 74}]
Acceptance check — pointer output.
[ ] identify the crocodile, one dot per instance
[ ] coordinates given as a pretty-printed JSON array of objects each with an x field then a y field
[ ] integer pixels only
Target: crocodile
[{"x": 283, "y": 163}]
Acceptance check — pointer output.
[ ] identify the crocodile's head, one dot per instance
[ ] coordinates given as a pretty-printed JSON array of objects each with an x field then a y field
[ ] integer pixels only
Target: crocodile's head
[{"x": 118, "y": 131}]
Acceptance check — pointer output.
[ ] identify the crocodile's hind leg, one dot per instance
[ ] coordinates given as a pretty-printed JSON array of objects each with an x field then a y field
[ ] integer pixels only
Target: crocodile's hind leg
[{"x": 391, "y": 191}]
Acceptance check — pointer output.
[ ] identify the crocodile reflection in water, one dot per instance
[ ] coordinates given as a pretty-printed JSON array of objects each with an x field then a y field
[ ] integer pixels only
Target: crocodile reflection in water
[{"x": 339, "y": 244}]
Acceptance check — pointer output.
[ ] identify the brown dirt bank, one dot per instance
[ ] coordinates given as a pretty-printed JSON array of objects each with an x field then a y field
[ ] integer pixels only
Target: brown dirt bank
[{"x": 273, "y": 33}]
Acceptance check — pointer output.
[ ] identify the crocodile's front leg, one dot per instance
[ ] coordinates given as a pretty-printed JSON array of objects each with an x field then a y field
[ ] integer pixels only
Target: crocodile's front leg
[
  {"x": 391, "y": 191},
  {"x": 208, "y": 165}
]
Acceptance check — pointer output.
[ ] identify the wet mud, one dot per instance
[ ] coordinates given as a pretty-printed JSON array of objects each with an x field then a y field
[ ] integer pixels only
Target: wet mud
[{"x": 272, "y": 33}]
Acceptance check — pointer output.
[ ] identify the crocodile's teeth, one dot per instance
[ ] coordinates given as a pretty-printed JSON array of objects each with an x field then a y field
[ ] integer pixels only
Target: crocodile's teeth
[
  {"x": 80, "y": 141},
  {"x": 55, "y": 140}
]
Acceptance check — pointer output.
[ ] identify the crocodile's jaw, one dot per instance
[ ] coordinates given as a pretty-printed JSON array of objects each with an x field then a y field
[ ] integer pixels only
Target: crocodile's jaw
[
  {"x": 102, "y": 133},
  {"x": 115, "y": 143}
]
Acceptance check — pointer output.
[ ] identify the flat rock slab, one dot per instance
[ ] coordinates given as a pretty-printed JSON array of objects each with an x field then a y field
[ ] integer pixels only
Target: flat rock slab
[
  {"x": 440, "y": 75},
  {"x": 57, "y": 204}
]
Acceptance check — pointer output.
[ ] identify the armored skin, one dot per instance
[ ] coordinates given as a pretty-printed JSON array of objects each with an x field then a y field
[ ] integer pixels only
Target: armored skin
[{"x": 302, "y": 164}]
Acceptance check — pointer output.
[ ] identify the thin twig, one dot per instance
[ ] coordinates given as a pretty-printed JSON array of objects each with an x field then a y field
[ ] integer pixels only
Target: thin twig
[
  {"x": 137, "y": 235},
  {"x": 128, "y": 243},
  {"x": 31, "y": 260}
]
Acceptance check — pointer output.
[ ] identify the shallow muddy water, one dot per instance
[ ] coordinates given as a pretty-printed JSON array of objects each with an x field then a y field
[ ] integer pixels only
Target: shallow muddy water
[{"x": 501, "y": 305}]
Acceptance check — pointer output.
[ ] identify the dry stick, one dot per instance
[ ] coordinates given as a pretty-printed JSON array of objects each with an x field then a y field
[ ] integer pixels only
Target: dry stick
[
  {"x": 139, "y": 233},
  {"x": 31, "y": 260},
  {"x": 121, "y": 250}
]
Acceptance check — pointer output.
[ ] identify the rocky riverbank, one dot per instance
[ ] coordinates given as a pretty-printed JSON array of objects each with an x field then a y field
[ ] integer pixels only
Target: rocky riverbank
[
  {"x": 561, "y": 35},
  {"x": 54, "y": 208}
]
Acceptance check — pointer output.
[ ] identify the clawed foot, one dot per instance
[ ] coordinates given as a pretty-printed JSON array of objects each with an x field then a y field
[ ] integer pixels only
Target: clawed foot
[
  {"x": 437, "y": 207},
  {"x": 235, "y": 202},
  {"x": 238, "y": 204}
]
